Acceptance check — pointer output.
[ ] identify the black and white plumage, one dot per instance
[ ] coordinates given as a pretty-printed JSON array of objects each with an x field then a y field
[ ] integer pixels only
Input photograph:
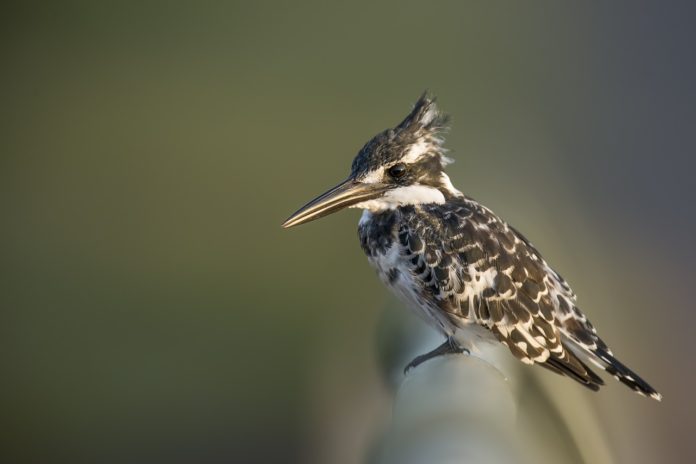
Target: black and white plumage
[{"x": 460, "y": 266}]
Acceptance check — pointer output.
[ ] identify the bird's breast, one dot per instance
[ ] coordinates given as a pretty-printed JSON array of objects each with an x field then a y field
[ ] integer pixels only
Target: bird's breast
[{"x": 393, "y": 263}]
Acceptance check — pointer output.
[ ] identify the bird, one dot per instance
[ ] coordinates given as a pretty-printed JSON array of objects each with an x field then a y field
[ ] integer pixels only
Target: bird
[{"x": 458, "y": 265}]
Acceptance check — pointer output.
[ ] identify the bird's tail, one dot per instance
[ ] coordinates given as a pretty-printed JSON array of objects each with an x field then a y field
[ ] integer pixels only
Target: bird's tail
[
  {"x": 568, "y": 364},
  {"x": 625, "y": 375}
]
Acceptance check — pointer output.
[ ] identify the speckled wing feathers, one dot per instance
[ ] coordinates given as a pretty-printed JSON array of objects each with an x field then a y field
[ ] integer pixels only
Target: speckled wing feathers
[
  {"x": 484, "y": 272},
  {"x": 464, "y": 266}
]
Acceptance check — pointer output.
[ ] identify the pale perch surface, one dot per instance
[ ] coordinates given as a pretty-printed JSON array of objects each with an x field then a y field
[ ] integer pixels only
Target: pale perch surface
[
  {"x": 453, "y": 409},
  {"x": 485, "y": 408}
]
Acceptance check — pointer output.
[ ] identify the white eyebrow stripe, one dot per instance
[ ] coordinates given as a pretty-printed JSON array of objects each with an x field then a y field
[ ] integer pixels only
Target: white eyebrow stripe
[{"x": 416, "y": 151}]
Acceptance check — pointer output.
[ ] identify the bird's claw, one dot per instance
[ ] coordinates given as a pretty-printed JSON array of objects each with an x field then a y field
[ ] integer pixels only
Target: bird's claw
[{"x": 448, "y": 347}]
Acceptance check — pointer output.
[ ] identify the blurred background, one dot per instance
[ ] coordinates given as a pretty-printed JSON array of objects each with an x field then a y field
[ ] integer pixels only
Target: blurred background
[{"x": 153, "y": 310}]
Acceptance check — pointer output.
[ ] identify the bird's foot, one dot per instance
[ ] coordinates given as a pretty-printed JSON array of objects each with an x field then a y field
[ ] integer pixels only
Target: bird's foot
[{"x": 448, "y": 347}]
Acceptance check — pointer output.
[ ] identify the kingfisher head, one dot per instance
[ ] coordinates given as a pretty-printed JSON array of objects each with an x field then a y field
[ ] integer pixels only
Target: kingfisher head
[{"x": 398, "y": 167}]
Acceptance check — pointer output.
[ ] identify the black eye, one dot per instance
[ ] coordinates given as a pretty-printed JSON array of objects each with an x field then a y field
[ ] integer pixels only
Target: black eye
[{"x": 397, "y": 171}]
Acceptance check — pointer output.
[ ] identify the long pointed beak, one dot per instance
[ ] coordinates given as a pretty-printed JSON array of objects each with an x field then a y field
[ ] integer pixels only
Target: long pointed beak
[{"x": 345, "y": 194}]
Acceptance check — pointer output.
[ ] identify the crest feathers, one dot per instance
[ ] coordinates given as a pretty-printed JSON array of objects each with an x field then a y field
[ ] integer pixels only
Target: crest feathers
[{"x": 425, "y": 116}]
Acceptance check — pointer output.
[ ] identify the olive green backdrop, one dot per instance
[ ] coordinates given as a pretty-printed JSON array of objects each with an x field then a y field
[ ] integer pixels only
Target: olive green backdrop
[{"x": 154, "y": 311}]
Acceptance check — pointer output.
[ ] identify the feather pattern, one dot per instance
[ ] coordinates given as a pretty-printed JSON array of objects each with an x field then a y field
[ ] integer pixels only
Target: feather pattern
[{"x": 459, "y": 264}]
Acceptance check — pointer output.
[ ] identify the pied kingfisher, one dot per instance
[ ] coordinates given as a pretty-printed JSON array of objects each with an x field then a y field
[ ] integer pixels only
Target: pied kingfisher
[{"x": 462, "y": 268}]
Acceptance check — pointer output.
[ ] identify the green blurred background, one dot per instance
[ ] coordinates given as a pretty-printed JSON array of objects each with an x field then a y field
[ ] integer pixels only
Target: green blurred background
[{"x": 154, "y": 311}]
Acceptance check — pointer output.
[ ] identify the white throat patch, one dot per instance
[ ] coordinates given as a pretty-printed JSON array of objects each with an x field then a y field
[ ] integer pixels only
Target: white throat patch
[{"x": 401, "y": 196}]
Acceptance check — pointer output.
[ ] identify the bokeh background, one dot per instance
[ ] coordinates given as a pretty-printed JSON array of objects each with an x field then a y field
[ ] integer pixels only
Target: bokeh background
[{"x": 154, "y": 311}]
